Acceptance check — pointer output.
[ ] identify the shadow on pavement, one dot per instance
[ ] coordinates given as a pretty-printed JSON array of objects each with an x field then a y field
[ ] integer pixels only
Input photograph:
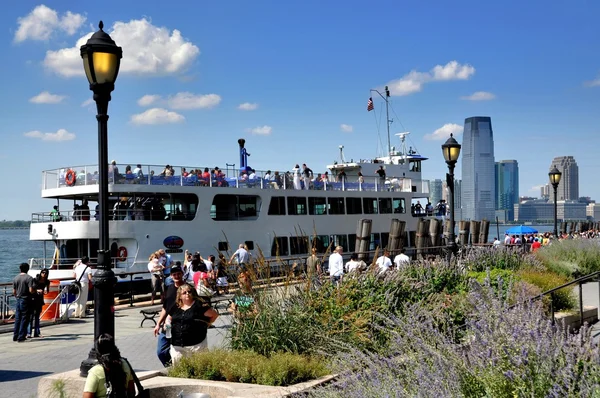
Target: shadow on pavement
[
  {"x": 13, "y": 375},
  {"x": 68, "y": 336}
]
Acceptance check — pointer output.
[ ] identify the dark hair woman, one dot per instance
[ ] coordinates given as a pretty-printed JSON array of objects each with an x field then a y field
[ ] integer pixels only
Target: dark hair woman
[
  {"x": 190, "y": 319},
  {"x": 41, "y": 284},
  {"x": 111, "y": 372}
]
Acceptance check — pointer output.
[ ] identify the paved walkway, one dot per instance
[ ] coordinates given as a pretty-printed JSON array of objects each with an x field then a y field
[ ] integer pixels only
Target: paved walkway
[{"x": 66, "y": 345}]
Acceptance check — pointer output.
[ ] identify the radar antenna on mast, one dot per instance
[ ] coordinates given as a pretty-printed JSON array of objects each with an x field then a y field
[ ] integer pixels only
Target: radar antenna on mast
[
  {"x": 342, "y": 154},
  {"x": 402, "y": 136}
]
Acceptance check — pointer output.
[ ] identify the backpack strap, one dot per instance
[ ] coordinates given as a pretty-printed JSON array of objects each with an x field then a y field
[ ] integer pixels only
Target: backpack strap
[{"x": 139, "y": 386}]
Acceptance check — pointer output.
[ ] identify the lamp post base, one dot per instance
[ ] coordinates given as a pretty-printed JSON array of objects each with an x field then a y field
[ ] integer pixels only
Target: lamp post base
[{"x": 88, "y": 363}]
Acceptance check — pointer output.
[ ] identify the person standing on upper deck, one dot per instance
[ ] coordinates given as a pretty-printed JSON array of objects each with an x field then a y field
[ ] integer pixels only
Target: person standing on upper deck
[
  {"x": 381, "y": 173},
  {"x": 23, "y": 290},
  {"x": 296, "y": 172},
  {"x": 307, "y": 175}
]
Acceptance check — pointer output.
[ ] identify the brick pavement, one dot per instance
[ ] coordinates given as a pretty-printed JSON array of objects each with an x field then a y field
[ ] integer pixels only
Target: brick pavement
[{"x": 66, "y": 345}]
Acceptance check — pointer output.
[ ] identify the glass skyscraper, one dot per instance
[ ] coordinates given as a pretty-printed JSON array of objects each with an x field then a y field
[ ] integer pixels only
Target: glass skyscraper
[
  {"x": 507, "y": 186},
  {"x": 435, "y": 191},
  {"x": 478, "y": 166}
]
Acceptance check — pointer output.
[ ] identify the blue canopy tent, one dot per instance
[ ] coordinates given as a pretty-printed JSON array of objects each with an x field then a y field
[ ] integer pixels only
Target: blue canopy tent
[{"x": 521, "y": 230}]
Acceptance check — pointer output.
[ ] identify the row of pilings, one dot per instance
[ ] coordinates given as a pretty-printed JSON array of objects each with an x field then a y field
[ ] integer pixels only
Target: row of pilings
[{"x": 572, "y": 227}]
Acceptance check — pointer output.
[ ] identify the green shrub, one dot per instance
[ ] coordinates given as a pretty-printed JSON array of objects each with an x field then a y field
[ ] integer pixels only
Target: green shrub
[
  {"x": 498, "y": 279},
  {"x": 571, "y": 257},
  {"x": 563, "y": 299},
  {"x": 280, "y": 369}
]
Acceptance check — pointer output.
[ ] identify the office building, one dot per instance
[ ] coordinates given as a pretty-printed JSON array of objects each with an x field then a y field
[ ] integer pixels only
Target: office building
[
  {"x": 545, "y": 191},
  {"x": 435, "y": 191},
  {"x": 568, "y": 188},
  {"x": 457, "y": 197},
  {"x": 478, "y": 166},
  {"x": 541, "y": 210},
  {"x": 507, "y": 186}
]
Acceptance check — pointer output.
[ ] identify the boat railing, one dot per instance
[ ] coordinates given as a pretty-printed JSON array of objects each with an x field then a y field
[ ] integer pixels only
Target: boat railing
[
  {"x": 66, "y": 264},
  {"x": 137, "y": 213},
  {"x": 120, "y": 174}
]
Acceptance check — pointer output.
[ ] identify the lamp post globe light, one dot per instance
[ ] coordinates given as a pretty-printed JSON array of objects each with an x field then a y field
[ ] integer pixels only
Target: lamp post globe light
[
  {"x": 101, "y": 61},
  {"x": 451, "y": 151},
  {"x": 555, "y": 175}
]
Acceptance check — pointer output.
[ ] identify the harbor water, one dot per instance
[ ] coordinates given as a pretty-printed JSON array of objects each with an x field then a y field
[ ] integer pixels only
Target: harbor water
[{"x": 16, "y": 248}]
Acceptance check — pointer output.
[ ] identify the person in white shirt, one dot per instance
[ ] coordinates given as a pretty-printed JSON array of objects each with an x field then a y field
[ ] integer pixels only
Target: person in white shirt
[
  {"x": 496, "y": 242},
  {"x": 241, "y": 255},
  {"x": 353, "y": 264},
  {"x": 83, "y": 274},
  {"x": 384, "y": 263},
  {"x": 401, "y": 259},
  {"x": 506, "y": 239},
  {"x": 336, "y": 265}
]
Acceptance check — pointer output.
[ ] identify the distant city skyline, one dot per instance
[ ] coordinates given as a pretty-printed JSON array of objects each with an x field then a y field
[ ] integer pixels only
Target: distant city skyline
[{"x": 507, "y": 186}]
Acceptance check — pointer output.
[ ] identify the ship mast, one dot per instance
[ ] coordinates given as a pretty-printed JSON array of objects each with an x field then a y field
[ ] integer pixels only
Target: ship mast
[{"x": 387, "y": 117}]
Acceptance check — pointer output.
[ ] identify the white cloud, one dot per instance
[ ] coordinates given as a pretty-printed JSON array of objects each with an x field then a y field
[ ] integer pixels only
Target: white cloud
[
  {"x": 147, "y": 50},
  {"x": 60, "y": 135},
  {"x": 247, "y": 106},
  {"x": 187, "y": 100},
  {"x": 536, "y": 188},
  {"x": 40, "y": 23},
  {"x": 444, "y": 132},
  {"x": 593, "y": 83},
  {"x": 148, "y": 100},
  {"x": 157, "y": 116},
  {"x": 261, "y": 130},
  {"x": 46, "y": 98},
  {"x": 479, "y": 96},
  {"x": 413, "y": 81},
  {"x": 346, "y": 128},
  {"x": 87, "y": 102}
]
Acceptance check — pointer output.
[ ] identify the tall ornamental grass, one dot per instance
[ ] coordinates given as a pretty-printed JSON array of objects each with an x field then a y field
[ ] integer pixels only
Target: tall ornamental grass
[
  {"x": 571, "y": 257},
  {"x": 506, "y": 352},
  {"x": 306, "y": 319}
]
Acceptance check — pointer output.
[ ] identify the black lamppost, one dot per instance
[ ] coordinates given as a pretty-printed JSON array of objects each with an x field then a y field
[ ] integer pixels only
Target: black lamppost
[
  {"x": 101, "y": 60},
  {"x": 555, "y": 175},
  {"x": 451, "y": 151}
]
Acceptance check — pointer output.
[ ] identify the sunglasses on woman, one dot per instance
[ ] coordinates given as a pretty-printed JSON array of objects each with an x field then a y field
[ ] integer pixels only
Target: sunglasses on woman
[{"x": 186, "y": 292}]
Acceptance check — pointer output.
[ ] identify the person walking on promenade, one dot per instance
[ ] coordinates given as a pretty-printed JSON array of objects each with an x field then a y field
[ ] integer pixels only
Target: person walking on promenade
[
  {"x": 190, "y": 319},
  {"x": 164, "y": 343},
  {"x": 336, "y": 265},
  {"x": 112, "y": 371},
  {"x": 83, "y": 276},
  {"x": 313, "y": 267},
  {"x": 41, "y": 284},
  {"x": 23, "y": 291}
]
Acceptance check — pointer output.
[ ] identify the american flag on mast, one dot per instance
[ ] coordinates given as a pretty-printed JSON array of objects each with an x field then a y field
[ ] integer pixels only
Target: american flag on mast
[{"x": 370, "y": 106}]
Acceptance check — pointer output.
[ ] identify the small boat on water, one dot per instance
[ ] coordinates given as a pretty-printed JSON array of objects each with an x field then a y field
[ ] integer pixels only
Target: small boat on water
[{"x": 214, "y": 210}]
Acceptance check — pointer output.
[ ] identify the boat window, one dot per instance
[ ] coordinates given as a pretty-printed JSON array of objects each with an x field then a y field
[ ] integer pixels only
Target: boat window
[
  {"x": 298, "y": 245},
  {"x": 280, "y": 246},
  {"x": 399, "y": 205},
  {"x": 249, "y": 244},
  {"x": 157, "y": 207},
  {"x": 339, "y": 240},
  {"x": 353, "y": 205},
  {"x": 223, "y": 246},
  {"x": 235, "y": 207},
  {"x": 317, "y": 206},
  {"x": 296, "y": 205},
  {"x": 385, "y": 205},
  {"x": 414, "y": 165},
  {"x": 277, "y": 206},
  {"x": 352, "y": 242},
  {"x": 417, "y": 207},
  {"x": 336, "y": 206},
  {"x": 370, "y": 205},
  {"x": 375, "y": 243},
  {"x": 321, "y": 243}
]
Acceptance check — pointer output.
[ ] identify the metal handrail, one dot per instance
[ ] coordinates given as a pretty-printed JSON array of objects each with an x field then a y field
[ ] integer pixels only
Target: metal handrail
[{"x": 579, "y": 281}]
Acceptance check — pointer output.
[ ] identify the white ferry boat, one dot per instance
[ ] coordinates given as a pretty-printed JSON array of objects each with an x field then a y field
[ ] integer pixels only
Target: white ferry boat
[{"x": 200, "y": 209}]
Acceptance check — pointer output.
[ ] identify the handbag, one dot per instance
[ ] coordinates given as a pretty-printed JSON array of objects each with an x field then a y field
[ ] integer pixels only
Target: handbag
[{"x": 141, "y": 392}]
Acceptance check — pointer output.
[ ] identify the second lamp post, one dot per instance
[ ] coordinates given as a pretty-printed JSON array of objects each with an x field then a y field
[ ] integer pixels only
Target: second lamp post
[{"x": 555, "y": 175}]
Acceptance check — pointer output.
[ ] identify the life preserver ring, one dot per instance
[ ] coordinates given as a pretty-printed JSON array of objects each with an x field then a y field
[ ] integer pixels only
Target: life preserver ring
[
  {"x": 122, "y": 254},
  {"x": 70, "y": 178}
]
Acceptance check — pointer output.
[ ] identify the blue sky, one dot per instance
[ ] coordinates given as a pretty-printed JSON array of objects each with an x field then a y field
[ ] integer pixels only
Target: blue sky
[{"x": 303, "y": 69}]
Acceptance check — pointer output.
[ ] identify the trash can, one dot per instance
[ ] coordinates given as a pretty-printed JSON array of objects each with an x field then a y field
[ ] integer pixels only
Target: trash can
[{"x": 67, "y": 299}]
